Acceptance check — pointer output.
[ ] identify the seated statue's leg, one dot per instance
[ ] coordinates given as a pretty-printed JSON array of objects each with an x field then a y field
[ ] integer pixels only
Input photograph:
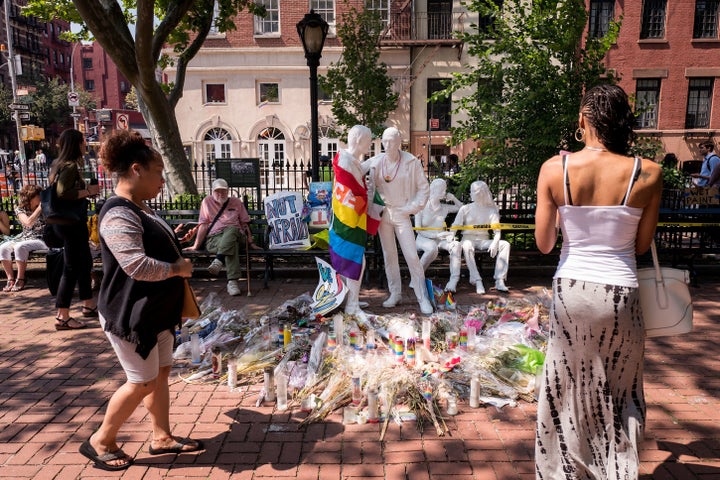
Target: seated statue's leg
[
  {"x": 455, "y": 250},
  {"x": 502, "y": 262}
]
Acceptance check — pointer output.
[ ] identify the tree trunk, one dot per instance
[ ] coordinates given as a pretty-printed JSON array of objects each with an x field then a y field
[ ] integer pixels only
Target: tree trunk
[{"x": 162, "y": 123}]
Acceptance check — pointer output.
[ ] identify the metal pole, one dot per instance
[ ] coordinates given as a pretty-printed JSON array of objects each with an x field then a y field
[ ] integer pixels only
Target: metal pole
[
  {"x": 72, "y": 84},
  {"x": 315, "y": 143},
  {"x": 13, "y": 79}
]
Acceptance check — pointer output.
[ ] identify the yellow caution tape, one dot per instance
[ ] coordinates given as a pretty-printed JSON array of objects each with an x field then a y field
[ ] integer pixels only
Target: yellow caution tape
[{"x": 529, "y": 226}]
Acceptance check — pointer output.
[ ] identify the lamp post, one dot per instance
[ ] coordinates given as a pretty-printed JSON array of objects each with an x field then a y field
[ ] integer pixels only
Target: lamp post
[
  {"x": 13, "y": 80},
  {"x": 72, "y": 86},
  {"x": 313, "y": 30}
]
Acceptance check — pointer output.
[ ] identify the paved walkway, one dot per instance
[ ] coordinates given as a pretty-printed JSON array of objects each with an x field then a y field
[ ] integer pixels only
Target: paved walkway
[{"x": 54, "y": 387}]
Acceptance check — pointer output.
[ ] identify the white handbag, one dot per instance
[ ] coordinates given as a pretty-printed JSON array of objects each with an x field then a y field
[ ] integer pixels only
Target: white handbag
[{"x": 665, "y": 299}]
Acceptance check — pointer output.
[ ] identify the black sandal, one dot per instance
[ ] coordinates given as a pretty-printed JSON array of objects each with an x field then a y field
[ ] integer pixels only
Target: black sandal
[
  {"x": 89, "y": 312},
  {"x": 65, "y": 324}
]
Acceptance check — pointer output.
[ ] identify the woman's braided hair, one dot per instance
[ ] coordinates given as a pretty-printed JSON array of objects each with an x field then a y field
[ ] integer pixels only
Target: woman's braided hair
[{"x": 607, "y": 109}]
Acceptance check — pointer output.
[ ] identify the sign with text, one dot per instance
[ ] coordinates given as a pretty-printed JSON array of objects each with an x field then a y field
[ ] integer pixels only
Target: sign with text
[
  {"x": 702, "y": 196},
  {"x": 283, "y": 211}
]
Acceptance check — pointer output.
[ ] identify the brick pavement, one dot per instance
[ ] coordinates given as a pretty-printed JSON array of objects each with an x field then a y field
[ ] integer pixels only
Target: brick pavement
[{"x": 54, "y": 387}]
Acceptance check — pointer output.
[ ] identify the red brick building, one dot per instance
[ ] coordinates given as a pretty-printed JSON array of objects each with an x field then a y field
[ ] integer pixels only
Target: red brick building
[{"x": 668, "y": 57}]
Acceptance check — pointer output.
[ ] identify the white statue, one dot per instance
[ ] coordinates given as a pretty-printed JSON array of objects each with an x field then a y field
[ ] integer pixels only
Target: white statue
[
  {"x": 436, "y": 237},
  {"x": 350, "y": 225},
  {"x": 483, "y": 211},
  {"x": 400, "y": 179}
]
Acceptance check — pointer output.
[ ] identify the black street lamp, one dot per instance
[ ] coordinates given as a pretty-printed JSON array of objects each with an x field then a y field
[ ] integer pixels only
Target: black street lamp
[{"x": 313, "y": 30}]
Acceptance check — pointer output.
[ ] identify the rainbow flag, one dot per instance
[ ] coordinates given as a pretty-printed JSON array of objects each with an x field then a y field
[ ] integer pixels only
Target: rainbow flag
[{"x": 349, "y": 229}]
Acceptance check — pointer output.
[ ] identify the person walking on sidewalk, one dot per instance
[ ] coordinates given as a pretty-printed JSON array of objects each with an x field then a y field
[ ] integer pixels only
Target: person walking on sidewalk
[
  {"x": 223, "y": 227},
  {"x": 140, "y": 300},
  {"x": 591, "y": 408},
  {"x": 67, "y": 171}
]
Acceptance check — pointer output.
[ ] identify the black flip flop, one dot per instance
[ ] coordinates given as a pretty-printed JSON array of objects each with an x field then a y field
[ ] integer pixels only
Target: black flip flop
[
  {"x": 101, "y": 461},
  {"x": 180, "y": 443}
]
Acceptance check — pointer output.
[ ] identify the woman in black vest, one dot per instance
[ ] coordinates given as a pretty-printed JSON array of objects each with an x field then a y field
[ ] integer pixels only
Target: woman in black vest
[{"x": 140, "y": 300}]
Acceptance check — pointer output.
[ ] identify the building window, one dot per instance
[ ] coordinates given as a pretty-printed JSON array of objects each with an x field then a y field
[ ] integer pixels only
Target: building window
[
  {"x": 487, "y": 18},
  {"x": 90, "y": 85},
  {"x": 271, "y": 151},
  {"x": 87, "y": 63},
  {"x": 438, "y": 111},
  {"x": 215, "y": 93},
  {"x": 646, "y": 107},
  {"x": 216, "y": 13},
  {"x": 381, "y": 7},
  {"x": 268, "y": 93},
  {"x": 601, "y": 14},
  {"x": 653, "y": 19},
  {"x": 439, "y": 19},
  {"x": 270, "y": 23},
  {"x": 329, "y": 143},
  {"x": 706, "y": 19},
  {"x": 324, "y": 8},
  {"x": 324, "y": 96},
  {"x": 218, "y": 144},
  {"x": 699, "y": 103}
]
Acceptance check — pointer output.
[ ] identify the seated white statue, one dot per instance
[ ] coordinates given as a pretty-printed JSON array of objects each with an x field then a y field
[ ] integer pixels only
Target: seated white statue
[
  {"x": 482, "y": 211},
  {"x": 436, "y": 237}
]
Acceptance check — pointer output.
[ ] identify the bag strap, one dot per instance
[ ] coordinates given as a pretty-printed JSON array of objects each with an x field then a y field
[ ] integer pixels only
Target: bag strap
[
  {"x": 222, "y": 209},
  {"x": 656, "y": 263}
]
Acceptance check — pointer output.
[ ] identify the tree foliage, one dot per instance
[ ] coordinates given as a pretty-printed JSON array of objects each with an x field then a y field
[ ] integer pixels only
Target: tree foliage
[
  {"x": 360, "y": 86},
  {"x": 530, "y": 68},
  {"x": 181, "y": 24},
  {"x": 50, "y": 103}
]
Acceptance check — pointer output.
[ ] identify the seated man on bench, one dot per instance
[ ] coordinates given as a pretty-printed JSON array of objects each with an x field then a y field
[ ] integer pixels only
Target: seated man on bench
[
  {"x": 222, "y": 228},
  {"x": 482, "y": 211}
]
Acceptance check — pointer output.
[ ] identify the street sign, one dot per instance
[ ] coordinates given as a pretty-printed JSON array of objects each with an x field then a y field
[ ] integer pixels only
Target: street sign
[
  {"x": 22, "y": 115},
  {"x": 19, "y": 106},
  {"x": 73, "y": 99},
  {"x": 76, "y": 114}
]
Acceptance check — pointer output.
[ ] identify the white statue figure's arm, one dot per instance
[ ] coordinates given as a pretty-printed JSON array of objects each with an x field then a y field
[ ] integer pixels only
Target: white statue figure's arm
[
  {"x": 456, "y": 204},
  {"x": 422, "y": 188}
]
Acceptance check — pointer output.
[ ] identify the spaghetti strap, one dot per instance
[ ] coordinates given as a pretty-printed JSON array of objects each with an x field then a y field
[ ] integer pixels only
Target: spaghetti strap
[
  {"x": 566, "y": 181},
  {"x": 637, "y": 168}
]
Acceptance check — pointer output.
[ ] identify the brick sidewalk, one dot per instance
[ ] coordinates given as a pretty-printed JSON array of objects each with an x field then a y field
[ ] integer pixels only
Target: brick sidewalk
[{"x": 55, "y": 386}]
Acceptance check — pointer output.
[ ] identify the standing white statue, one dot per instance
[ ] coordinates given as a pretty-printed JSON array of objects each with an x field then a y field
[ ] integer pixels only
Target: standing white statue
[
  {"x": 351, "y": 224},
  {"x": 483, "y": 211},
  {"x": 432, "y": 218},
  {"x": 400, "y": 179}
]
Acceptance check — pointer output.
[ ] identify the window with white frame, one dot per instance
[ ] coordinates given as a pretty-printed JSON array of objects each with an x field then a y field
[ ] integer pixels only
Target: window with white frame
[
  {"x": 381, "y": 7},
  {"x": 268, "y": 92},
  {"x": 215, "y": 93},
  {"x": 271, "y": 151},
  {"x": 270, "y": 23},
  {"x": 217, "y": 144},
  {"x": 647, "y": 93},
  {"x": 326, "y": 9},
  {"x": 706, "y": 19},
  {"x": 699, "y": 103},
  {"x": 329, "y": 143}
]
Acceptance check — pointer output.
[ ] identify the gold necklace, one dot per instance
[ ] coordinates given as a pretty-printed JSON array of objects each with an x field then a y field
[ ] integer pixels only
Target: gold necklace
[{"x": 387, "y": 177}]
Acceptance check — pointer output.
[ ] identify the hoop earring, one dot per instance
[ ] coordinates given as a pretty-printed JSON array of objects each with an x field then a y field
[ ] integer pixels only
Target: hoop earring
[{"x": 580, "y": 135}]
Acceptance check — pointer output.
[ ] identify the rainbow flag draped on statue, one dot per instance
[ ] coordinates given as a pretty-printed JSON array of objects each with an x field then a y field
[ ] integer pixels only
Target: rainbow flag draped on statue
[{"x": 351, "y": 224}]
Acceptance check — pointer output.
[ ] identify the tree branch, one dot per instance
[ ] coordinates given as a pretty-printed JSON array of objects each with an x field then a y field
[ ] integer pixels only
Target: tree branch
[
  {"x": 183, "y": 60},
  {"x": 174, "y": 15}
]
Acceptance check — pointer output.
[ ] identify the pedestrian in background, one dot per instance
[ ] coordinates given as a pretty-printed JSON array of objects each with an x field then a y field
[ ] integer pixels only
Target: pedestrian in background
[
  {"x": 67, "y": 171},
  {"x": 591, "y": 408},
  {"x": 710, "y": 161},
  {"x": 140, "y": 300}
]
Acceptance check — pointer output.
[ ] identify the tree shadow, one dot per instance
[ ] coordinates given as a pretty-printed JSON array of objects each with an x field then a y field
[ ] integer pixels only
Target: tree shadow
[{"x": 676, "y": 466}]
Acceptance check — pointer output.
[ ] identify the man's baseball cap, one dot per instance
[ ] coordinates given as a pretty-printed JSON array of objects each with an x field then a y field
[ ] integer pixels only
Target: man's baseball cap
[{"x": 220, "y": 183}]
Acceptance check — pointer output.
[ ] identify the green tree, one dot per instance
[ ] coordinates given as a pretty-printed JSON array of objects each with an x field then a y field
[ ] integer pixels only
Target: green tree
[
  {"x": 131, "y": 99},
  {"x": 180, "y": 24},
  {"x": 530, "y": 68},
  {"x": 49, "y": 104},
  {"x": 359, "y": 84}
]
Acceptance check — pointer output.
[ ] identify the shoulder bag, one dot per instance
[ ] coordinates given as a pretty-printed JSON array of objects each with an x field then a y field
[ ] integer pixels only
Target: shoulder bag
[
  {"x": 58, "y": 211},
  {"x": 665, "y": 299}
]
